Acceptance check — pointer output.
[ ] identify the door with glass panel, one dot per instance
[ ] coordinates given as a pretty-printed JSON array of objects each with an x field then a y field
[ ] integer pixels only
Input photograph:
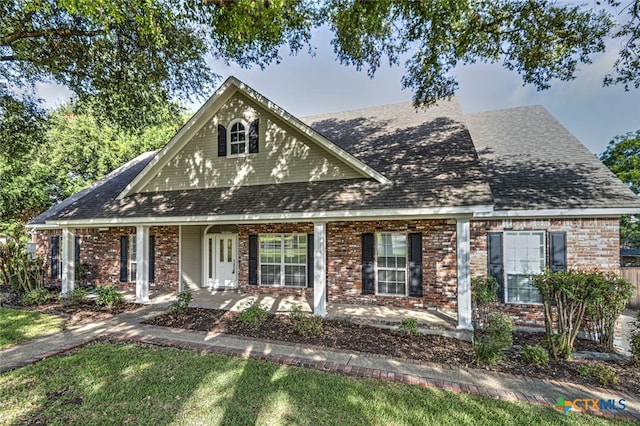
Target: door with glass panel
[{"x": 221, "y": 257}]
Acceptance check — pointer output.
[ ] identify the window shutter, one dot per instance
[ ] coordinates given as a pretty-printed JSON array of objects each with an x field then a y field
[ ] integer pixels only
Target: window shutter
[
  {"x": 152, "y": 258},
  {"x": 368, "y": 276},
  {"x": 495, "y": 257},
  {"x": 124, "y": 258},
  {"x": 253, "y": 136},
  {"x": 253, "y": 260},
  {"x": 55, "y": 241},
  {"x": 76, "y": 256},
  {"x": 310, "y": 261},
  {"x": 415, "y": 264},
  {"x": 558, "y": 251},
  {"x": 222, "y": 141}
]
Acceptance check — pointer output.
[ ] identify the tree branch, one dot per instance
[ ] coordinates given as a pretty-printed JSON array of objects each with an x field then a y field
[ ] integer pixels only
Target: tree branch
[{"x": 59, "y": 32}]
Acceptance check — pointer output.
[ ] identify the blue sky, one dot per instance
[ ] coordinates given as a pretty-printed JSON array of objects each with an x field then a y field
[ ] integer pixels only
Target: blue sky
[{"x": 308, "y": 85}]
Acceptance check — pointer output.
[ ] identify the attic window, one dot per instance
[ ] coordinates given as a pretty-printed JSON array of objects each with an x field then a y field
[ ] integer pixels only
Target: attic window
[{"x": 238, "y": 139}]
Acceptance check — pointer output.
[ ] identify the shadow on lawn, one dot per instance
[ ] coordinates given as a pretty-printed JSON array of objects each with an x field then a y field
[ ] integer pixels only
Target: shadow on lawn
[{"x": 129, "y": 383}]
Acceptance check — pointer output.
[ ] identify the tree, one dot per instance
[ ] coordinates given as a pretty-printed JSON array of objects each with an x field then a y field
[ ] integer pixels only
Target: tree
[
  {"x": 622, "y": 156},
  {"x": 130, "y": 54}
]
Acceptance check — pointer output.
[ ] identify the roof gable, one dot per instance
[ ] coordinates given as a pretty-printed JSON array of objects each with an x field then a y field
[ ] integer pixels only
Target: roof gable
[{"x": 290, "y": 151}]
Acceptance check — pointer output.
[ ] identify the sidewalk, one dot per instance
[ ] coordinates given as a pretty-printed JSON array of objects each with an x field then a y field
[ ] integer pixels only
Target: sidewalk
[{"x": 474, "y": 381}]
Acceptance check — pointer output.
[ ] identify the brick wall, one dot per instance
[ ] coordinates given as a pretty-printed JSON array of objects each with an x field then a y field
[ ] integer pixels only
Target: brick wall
[
  {"x": 101, "y": 251},
  {"x": 344, "y": 263},
  {"x": 592, "y": 243}
]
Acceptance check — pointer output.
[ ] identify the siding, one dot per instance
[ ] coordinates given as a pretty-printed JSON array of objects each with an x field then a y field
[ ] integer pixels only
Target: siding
[
  {"x": 285, "y": 155},
  {"x": 191, "y": 244}
]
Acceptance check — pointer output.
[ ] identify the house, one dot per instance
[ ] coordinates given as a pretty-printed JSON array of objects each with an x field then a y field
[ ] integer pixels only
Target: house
[{"x": 384, "y": 205}]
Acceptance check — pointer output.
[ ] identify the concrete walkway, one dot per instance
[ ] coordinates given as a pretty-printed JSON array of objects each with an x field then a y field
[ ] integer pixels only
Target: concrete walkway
[{"x": 474, "y": 381}]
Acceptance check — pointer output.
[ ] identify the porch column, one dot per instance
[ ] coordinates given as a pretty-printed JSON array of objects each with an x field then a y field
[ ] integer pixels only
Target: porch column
[
  {"x": 464, "y": 277},
  {"x": 319, "y": 269},
  {"x": 68, "y": 260},
  {"x": 142, "y": 264}
]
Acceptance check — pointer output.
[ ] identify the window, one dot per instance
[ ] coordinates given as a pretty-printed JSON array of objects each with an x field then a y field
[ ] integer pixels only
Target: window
[
  {"x": 391, "y": 263},
  {"x": 238, "y": 139},
  {"x": 133, "y": 258},
  {"x": 283, "y": 260},
  {"x": 524, "y": 255}
]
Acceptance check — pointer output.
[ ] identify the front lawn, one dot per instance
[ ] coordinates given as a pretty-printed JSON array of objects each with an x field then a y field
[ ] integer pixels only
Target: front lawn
[
  {"x": 17, "y": 326},
  {"x": 104, "y": 383}
]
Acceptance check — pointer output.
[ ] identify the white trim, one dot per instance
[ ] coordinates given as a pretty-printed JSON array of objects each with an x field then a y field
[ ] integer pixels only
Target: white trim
[
  {"x": 319, "y": 268},
  {"x": 180, "y": 284},
  {"x": 343, "y": 215},
  {"x": 142, "y": 264},
  {"x": 68, "y": 260},
  {"x": 463, "y": 254},
  {"x": 224, "y": 92},
  {"x": 592, "y": 212},
  {"x": 246, "y": 138}
]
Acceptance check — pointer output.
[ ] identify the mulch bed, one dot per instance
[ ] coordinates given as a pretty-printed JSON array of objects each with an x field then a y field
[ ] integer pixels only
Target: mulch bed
[{"x": 340, "y": 334}]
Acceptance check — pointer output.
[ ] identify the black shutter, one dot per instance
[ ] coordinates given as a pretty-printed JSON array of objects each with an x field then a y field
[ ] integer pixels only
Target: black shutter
[
  {"x": 558, "y": 251},
  {"x": 368, "y": 276},
  {"x": 253, "y": 260},
  {"x": 152, "y": 258},
  {"x": 222, "y": 141},
  {"x": 76, "y": 253},
  {"x": 55, "y": 241},
  {"x": 253, "y": 136},
  {"x": 124, "y": 258},
  {"x": 415, "y": 264},
  {"x": 310, "y": 261},
  {"x": 495, "y": 264}
]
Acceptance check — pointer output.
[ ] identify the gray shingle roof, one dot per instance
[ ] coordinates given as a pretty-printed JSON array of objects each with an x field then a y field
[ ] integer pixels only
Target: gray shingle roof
[
  {"x": 533, "y": 162},
  {"x": 525, "y": 160}
]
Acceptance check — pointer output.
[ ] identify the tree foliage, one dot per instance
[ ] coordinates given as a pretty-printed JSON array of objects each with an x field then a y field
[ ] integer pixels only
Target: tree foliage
[{"x": 622, "y": 157}]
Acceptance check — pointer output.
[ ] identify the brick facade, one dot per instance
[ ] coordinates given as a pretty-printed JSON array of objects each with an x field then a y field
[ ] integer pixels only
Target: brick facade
[
  {"x": 592, "y": 243},
  {"x": 100, "y": 250}
]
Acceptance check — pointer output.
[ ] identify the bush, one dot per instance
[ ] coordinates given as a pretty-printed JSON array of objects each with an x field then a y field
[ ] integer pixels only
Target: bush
[
  {"x": 535, "y": 355},
  {"x": 634, "y": 340},
  {"x": 605, "y": 375},
  {"x": 495, "y": 339},
  {"x": 606, "y": 304},
  {"x": 305, "y": 323},
  {"x": 38, "y": 296},
  {"x": 181, "y": 304},
  {"x": 484, "y": 293},
  {"x": 253, "y": 316},
  {"x": 22, "y": 270},
  {"x": 108, "y": 296},
  {"x": 75, "y": 297},
  {"x": 409, "y": 326}
]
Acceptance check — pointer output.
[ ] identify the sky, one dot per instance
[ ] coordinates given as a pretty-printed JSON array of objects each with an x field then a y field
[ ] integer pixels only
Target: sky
[{"x": 309, "y": 85}]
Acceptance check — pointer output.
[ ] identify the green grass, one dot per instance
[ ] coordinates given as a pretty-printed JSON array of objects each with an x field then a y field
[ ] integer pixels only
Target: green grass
[
  {"x": 17, "y": 326},
  {"x": 105, "y": 383}
]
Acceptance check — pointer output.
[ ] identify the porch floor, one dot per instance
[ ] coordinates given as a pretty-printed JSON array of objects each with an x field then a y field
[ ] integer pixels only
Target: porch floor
[{"x": 429, "y": 321}]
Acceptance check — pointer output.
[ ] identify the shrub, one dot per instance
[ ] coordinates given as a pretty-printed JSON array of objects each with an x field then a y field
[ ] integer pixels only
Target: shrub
[
  {"x": 108, "y": 296},
  {"x": 253, "y": 316},
  {"x": 305, "y": 323},
  {"x": 75, "y": 297},
  {"x": 497, "y": 337},
  {"x": 605, "y": 375},
  {"x": 484, "y": 292},
  {"x": 38, "y": 296},
  {"x": 181, "y": 304},
  {"x": 22, "y": 270},
  {"x": 409, "y": 326},
  {"x": 535, "y": 355},
  {"x": 634, "y": 340},
  {"x": 606, "y": 304}
]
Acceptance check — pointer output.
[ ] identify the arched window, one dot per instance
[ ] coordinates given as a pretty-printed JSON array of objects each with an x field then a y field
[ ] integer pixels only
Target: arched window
[{"x": 238, "y": 139}]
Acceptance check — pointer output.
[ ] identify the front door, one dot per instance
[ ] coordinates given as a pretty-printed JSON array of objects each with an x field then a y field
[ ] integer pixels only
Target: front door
[{"x": 221, "y": 255}]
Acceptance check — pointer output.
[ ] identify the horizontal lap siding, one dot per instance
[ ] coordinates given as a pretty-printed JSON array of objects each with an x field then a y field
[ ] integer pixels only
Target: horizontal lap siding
[{"x": 191, "y": 246}]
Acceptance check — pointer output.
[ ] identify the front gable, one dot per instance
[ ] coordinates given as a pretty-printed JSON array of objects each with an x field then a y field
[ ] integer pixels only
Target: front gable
[{"x": 273, "y": 148}]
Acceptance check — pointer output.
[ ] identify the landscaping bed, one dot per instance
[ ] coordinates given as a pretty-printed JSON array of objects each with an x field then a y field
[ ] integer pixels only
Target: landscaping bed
[{"x": 339, "y": 334}]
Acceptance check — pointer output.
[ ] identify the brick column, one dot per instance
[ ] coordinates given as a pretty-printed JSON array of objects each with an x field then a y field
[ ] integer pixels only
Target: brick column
[
  {"x": 464, "y": 277},
  {"x": 319, "y": 268},
  {"x": 142, "y": 264},
  {"x": 68, "y": 261}
]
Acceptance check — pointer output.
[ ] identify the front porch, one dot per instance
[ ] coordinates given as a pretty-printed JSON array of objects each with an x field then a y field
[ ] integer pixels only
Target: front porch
[{"x": 429, "y": 321}]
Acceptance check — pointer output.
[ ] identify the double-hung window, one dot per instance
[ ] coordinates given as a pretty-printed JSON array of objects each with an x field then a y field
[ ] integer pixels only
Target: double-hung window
[
  {"x": 391, "y": 263},
  {"x": 524, "y": 255},
  {"x": 283, "y": 260}
]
